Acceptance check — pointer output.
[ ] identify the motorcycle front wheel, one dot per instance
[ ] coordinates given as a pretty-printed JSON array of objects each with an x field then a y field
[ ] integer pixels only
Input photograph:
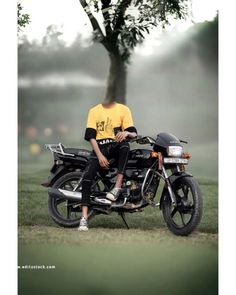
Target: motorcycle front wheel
[
  {"x": 185, "y": 217},
  {"x": 64, "y": 212}
]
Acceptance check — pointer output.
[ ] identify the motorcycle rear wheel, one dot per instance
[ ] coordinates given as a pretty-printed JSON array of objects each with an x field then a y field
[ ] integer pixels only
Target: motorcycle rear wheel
[
  {"x": 183, "y": 219},
  {"x": 64, "y": 212}
]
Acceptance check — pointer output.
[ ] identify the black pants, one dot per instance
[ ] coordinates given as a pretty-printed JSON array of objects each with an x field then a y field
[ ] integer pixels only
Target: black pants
[{"x": 116, "y": 150}]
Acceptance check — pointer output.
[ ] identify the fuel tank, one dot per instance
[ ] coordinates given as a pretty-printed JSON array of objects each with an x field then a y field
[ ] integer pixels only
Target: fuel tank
[{"x": 140, "y": 158}]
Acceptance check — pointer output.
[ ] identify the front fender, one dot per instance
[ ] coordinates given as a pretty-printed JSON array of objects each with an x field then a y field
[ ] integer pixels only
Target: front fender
[{"x": 172, "y": 179}]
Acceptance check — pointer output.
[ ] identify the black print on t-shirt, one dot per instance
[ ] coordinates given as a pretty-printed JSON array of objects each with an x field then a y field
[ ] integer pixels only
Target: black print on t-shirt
[
  {"x": 105, "y": 126},
  {"x": 109, "y": 127},
  {"x": 100, "y": 125}
]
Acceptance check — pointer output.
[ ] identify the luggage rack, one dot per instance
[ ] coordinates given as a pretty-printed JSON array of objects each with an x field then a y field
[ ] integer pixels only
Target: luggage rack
[{"x": 57, "y": 148}]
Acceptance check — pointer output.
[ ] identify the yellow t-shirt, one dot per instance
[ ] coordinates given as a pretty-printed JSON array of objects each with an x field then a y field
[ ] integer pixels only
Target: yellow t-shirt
[{"x": 104, "y": 120}]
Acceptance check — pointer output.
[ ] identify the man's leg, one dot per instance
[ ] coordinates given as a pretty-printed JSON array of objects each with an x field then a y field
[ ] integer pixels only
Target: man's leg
[
  {"x": 119, "y": 180},
  {"x": 90, "y": 173},
  {"x": 123, "y": 154},
  {"x": 85, "y": 211},
  {"x": 122, "y": 151}
]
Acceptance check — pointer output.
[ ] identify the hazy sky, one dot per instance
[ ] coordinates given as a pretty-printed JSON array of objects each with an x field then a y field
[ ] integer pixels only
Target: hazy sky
[{"x": 70, "y": 15}]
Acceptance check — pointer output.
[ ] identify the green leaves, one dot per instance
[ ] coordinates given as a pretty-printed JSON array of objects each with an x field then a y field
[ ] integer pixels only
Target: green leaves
[
  {"x": 127, "y": 22},
  {"x": 22, "y": 19}
]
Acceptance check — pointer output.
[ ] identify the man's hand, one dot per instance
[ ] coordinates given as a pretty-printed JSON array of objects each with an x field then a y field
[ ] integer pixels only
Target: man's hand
[
  {"x": 120, "y": 136},
  {"x": 103, "y": 161}
]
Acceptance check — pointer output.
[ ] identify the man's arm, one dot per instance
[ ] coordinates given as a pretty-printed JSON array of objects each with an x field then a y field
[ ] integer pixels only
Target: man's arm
[
  {"x": 124, "y": 134},
  {"x": 131, "y": 134},
  {"x": 127, "y": 126},
  {"x": 101, "y": 158}
]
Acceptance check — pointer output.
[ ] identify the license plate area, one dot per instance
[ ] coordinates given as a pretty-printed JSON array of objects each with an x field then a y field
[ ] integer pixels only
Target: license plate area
[{"x": 175, "y": 161}]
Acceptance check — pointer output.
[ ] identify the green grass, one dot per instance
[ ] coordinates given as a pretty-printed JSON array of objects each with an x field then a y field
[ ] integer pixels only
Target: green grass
[
  {"x": 29, "y": 235},
  {"x": 109, "y": 259}
]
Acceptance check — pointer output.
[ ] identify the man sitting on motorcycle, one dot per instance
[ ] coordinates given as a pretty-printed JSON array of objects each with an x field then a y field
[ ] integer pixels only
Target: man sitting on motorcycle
[{"x": 108, "y": 125}]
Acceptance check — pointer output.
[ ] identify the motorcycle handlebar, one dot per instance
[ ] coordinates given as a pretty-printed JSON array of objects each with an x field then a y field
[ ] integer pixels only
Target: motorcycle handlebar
[
  {"x": 183, "y": 141},
  {"x": 147, "y": 139},
  {"x": 141, "y": 139}
]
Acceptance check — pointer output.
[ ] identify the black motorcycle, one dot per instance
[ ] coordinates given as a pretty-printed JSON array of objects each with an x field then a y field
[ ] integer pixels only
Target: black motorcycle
[{"x": 180, "y": 201}]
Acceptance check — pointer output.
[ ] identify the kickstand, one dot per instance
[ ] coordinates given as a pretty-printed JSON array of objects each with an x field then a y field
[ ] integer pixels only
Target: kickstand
[{"x": 122, "y": 214}]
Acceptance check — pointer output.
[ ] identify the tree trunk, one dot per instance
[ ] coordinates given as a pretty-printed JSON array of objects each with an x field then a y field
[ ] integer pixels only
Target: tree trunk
[{"x": 116, "y": 84}]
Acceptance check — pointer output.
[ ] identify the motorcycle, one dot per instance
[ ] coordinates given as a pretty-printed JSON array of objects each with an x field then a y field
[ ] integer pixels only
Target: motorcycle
[{"x": 181, "y": 200}]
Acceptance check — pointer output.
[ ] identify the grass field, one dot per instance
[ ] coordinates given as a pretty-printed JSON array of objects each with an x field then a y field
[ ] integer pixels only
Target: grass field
[{"x": 109, "y": 259}]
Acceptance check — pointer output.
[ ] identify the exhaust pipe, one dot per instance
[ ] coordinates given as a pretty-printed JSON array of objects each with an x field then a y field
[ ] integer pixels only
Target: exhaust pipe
[
  {"x": 64, "y": 194},
  {"x": 74, "y": 196}
]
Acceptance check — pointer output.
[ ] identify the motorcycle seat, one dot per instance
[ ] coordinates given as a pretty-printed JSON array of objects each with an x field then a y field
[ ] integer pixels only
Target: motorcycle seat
[{"x": 77, "y": 152}]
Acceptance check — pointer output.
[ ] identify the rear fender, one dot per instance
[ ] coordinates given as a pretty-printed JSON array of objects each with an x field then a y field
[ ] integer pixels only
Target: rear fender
[
  {"x": 172, "y": 179},
  {"x": 57, "y": 171}
]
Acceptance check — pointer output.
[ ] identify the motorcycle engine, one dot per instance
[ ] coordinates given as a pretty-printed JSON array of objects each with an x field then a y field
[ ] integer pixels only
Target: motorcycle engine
[{"x": 134, "y": 190}]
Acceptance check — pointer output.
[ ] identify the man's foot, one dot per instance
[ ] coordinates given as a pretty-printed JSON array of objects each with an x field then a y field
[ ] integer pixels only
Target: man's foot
[
  {"x": 83, "y": 224},
  {"x": 113, "y": 194}
]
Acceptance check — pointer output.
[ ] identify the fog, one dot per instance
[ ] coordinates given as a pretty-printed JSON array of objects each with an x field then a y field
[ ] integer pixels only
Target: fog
[{"x": 173, "y": 90}]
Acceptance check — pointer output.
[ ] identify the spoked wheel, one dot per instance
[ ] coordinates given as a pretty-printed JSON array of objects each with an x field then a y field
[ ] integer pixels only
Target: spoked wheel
[
  {"x": 64, "y": 212},
  {"x": 185, "y": 217}
]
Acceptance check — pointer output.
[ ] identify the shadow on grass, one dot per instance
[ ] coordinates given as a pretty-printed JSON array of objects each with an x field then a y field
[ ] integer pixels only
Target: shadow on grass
[
  {"x": 134, "y": 222},
  {"x": 109, "y": 222}
]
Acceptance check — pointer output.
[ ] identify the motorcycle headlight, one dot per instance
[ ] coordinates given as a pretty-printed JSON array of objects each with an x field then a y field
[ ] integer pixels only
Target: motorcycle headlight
[{"x": 175, "y": 151}]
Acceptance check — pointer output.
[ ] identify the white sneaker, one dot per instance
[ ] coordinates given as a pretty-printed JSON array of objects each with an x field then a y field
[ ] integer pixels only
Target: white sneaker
[
  {"x": 83, "y": 224},
  {"x": 113, "y": 194}
]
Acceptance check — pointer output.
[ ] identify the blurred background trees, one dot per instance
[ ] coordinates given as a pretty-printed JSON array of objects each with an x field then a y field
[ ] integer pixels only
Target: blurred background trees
[{"x": 174, "y": 87}]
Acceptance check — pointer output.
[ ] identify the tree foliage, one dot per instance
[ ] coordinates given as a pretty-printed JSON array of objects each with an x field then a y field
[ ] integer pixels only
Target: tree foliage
[
  {"x": 22, "y": 19},
  {"x": 124, "y": 25},
  {"x": 126, "y": 22}
]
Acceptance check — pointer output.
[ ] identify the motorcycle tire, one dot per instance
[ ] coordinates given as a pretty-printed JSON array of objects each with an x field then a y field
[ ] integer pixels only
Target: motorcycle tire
[
  {"x": 189, "y": 205},
  {"x": 53, "y": 203}
]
